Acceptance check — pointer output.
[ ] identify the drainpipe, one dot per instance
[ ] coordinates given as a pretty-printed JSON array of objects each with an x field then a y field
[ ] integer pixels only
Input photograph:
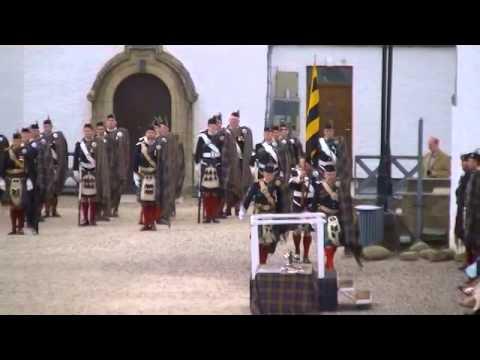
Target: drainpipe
[
  {"x": 388, "y": 150},
  {"x": 269, "y": 84},
  {"x": 382, "y": 170}
]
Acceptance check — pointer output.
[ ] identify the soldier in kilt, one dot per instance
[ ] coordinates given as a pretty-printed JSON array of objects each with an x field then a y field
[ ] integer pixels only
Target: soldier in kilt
[
  {"x": 119, "y": 161},
  {"x": 266, "y": 196},
  {"x": 4, "y": 145},
  {"x": 208, "y": 158},
  {"x": 16, "y": 181},
  {"x": 459, "y": 219},
  {"x": 302, "y": 192},
  {"x": 472, "y": 205},
  {"x": 45, "y": 169},
  {"x": 59, "y": 152},
  {"x": 240, "y": 184},
  {"x": 146, "y": 164}
]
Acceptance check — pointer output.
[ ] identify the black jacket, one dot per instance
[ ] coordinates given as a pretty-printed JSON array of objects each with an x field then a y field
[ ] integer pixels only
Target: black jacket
[
  {"x": 263, "y": 157},
  {"x": 141, "y": 161},
  {"x": 255, "y": 194},
  {"x": 204, "y": 152}
]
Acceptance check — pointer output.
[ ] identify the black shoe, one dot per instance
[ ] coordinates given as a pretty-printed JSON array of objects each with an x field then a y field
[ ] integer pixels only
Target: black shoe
[
  {"x": 56, "y": 215},
  {"x": 215, "y": 221},
  {"x": 207, "y": 221},
  {"x": 12, "y": 233}
]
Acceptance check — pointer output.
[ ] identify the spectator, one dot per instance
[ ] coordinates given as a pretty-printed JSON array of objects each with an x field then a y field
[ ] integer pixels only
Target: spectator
[{"x": 436, "y": 163}]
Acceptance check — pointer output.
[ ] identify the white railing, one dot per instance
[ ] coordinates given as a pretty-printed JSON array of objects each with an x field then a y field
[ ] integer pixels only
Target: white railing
[{"x": 316, "y": 220}]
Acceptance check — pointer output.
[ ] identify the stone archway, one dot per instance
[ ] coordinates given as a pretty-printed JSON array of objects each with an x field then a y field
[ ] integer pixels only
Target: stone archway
[{"x": 153, "y": 60}]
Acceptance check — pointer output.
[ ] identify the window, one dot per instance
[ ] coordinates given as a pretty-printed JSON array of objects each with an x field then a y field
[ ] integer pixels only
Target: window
[{"x": 285, "y": 103}]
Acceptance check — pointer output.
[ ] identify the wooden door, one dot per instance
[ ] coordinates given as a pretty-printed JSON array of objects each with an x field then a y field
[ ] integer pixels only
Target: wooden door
[
  {"x": 336, "y": 106},
  {"x": 138, "y": 99}
]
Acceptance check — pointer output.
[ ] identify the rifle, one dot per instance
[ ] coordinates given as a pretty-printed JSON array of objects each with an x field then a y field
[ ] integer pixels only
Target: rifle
[
  {"x": 80, "y": 197},
  {"x": 199, "y": 207}
]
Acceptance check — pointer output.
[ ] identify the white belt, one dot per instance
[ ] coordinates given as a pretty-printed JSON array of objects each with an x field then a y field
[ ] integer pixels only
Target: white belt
[
  {"x": 299, "y": 194},
  {"x": 87, "y": 166},
  {"x": 211, "y": 155},
  {"x": 325, "y": 163}
]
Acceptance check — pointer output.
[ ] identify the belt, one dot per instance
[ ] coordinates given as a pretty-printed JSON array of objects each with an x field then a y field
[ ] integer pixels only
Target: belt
[
  {"x": 300, "y": 194},
  {"x": 87, "y": 166},
  {"x": 15, "y": 172},
  {"x": 263, "y": 166},
  {"x": 326, "y": 163},
  {"x": 146, "y": 170},
  {"x": 211, "y": 155}
]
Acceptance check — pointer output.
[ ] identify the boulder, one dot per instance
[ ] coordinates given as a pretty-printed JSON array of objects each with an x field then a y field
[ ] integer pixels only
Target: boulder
[
  {"x": 425, "y": 254},
  {"x": 442, "y": 255},
  {"x": 409, "y": 256},
  {"x": 419, "y": 246},
  {"x": 376, "y": 253},
  {"x": 461, "y": 258}
]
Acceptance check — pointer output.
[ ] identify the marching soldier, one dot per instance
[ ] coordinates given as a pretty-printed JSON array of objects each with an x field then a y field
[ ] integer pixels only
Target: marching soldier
[
  {"x": 302, "y": 191},
  {"x": 16, "y": 181},
  {"x": 208, "y": 157},
  {"x": 267, "y": 198},
  {"x": 105, "y": 150},
  {"x": 327, "y": 201},
  {"x": 59, "y": 152},
  {"x": 295, "y": 147},
  {"x": 146, "y": 170},
  {"x": 244, "y": 146},
  {"x": 265, "y": 153},
  {"x": 89, "y": 165},
  {"x": 332, "y": 151},
  {"x": 326, "y": 151},
  {"x": 4, "y": 145},
  {"x": 472, "y": 204},
  {"x": 120, "y": 161},
  {"x": 460, "y": 195}
]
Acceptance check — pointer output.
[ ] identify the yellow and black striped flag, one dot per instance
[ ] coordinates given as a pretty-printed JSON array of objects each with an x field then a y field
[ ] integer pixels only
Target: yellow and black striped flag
[{"x": 313, "y": 115}]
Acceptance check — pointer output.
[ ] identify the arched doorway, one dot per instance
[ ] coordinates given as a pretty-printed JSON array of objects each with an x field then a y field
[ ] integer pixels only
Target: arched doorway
[
  {"x": 150, "y": 70},
  {"x": 136, "y": 101}
]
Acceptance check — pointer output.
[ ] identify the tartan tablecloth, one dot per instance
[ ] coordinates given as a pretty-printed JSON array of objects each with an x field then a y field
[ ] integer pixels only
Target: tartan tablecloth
[{"x": 272, "y": 293}]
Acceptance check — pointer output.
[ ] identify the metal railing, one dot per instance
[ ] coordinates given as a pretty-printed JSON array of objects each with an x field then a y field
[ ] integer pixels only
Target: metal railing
[{"x": 368, "y": 185}]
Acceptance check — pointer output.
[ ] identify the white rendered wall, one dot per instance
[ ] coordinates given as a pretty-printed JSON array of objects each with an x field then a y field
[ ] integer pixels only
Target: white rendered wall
[
  {"x": 57, "y": 79},
  {"x": 11, "y": 88},
  {"x": 227, "y": 78},
  {"x": 466, "y": 115},
  {"x": 423, "y": 84}
]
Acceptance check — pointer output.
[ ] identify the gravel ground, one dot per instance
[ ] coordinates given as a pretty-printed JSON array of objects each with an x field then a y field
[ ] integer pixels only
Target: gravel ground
[{"x": 188, "y": 269}]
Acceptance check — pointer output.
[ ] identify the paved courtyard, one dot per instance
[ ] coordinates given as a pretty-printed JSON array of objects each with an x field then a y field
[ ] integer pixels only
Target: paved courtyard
[{"x": 188, "y": 269}]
